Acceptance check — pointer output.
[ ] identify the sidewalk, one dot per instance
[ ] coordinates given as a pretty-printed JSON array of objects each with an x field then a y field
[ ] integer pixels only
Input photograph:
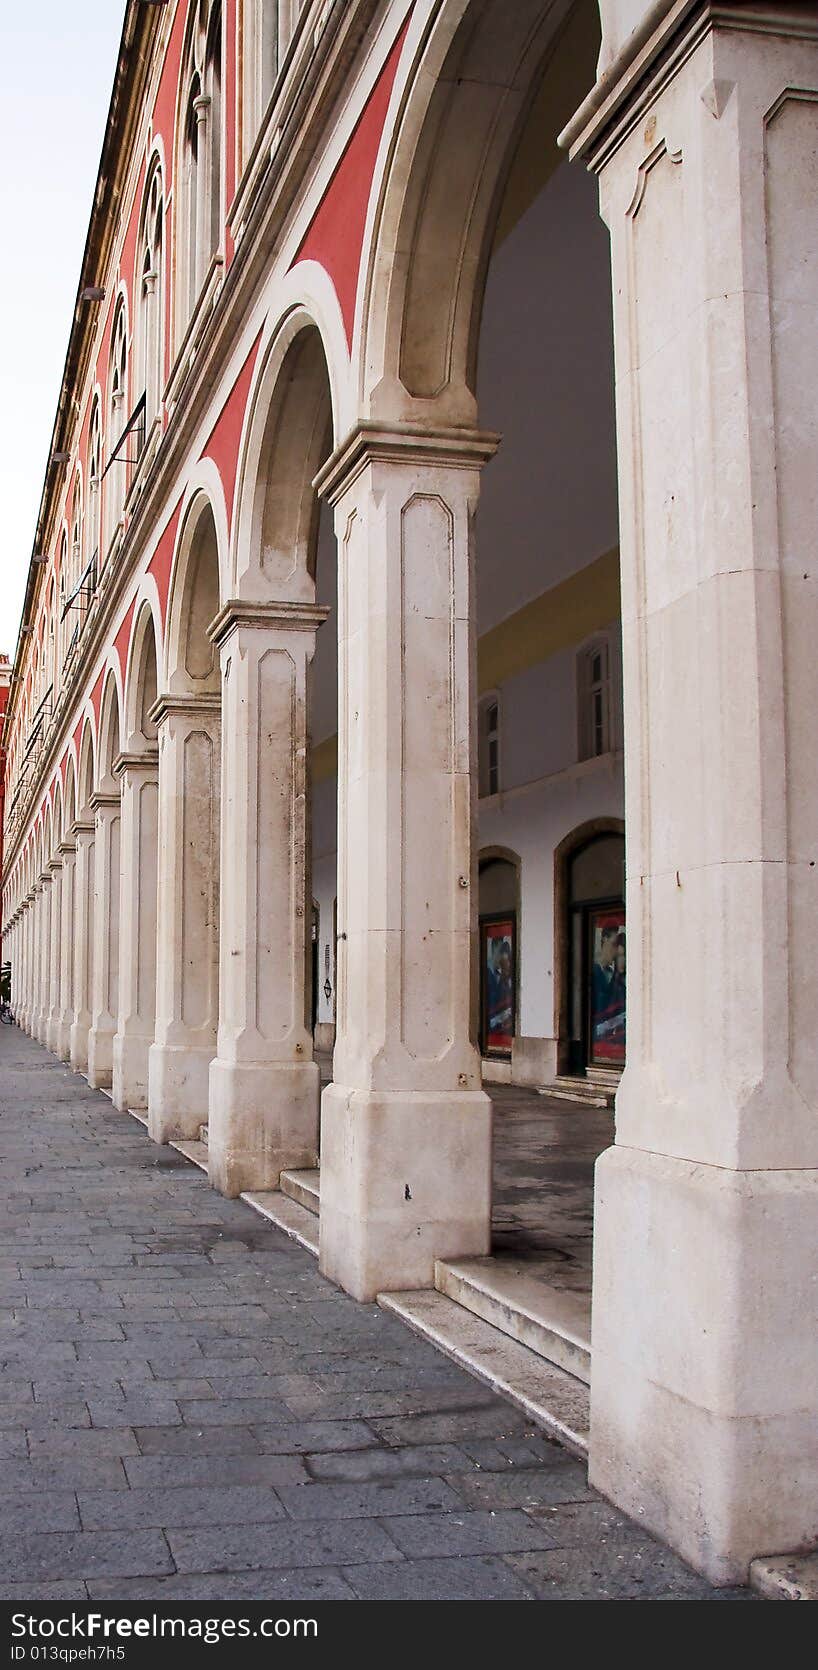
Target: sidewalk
[{"x": 188, "y": 1409}]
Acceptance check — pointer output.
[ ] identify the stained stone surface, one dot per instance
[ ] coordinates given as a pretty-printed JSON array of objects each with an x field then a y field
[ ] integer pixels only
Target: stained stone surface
[{"x": 188, "y": 1409}]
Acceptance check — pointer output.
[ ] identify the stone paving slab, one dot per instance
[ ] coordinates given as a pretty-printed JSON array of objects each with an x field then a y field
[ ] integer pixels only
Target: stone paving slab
[{"x": 189, "y": 1410}]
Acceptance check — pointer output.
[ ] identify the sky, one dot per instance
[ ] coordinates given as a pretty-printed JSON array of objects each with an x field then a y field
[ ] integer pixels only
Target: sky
[{"x": 56, "y": 73}]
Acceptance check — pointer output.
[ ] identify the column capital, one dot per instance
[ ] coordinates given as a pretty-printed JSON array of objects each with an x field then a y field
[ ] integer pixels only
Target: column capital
[
  {"x": 167, "y": 705},
  {"x": 652, "y": 53},
  {"x": 67, "y": 847},
  {"x": 55, "y": 865},
  {"x": 449, "y": 446},
  {"x": 146, "y": 760},
  {"x": 287, "y": 616},
  {"x": 82, "y": 826},
  {"x": 103, "y": 799}
]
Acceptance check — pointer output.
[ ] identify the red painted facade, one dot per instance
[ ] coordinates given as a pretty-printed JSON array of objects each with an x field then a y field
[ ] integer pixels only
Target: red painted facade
[{"x": 333, "y": 238}]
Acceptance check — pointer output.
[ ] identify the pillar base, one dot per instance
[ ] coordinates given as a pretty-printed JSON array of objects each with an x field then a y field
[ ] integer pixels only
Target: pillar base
[
  {"x": 177, "y": 1091},
  {"x": 100, "y": 1058},
  {"x": 704, "y": 1380},
  {"x": 52, "y": 1033},
  {"x": 78, "y": 1046},
  {"x": 405, "y": 1179},
  {"x": 62, "y": 1045},
  {"x": 129, "y": 1081},
  {"x": 263, "y": 1120}
]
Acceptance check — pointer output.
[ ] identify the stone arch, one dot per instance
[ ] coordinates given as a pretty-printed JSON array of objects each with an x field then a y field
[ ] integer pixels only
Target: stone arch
[
  {"x": 141, "y": 680},
  {"x": 475, "y": 74},
  {"x": 70, "y": 793},
  {"x": 86, "y": 771},
  {"x": 110, "y": 733},
  {"x": 191, "y": 659},
  {"x": 290, "y": 430},
  {"x": 58, "y": 803}
]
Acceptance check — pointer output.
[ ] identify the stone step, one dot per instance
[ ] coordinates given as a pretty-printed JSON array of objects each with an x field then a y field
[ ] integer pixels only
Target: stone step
[
  {"x": 551, "y": 1398},
  {"x": 195, "y": 1151},
  {"x": 551, "y": 1321},
  {"x": 584, "y": 1092},
  {"x": 785, "y": 1576},
  {"x": 286, "y": 1214},
  {"x": 303, "y": 1187}
]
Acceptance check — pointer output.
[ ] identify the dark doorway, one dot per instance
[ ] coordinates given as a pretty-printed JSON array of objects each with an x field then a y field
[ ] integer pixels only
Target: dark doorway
[{"x": 596, "y": 950}]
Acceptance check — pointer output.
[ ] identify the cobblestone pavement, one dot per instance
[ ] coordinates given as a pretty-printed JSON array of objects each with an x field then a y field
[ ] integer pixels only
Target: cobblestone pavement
[{"x": 189, "y": 1410}]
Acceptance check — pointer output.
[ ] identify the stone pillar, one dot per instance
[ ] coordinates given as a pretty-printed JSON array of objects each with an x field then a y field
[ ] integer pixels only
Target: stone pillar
[
  {"x": 704, "y": 1393},
  {"x": 139, "y": 777},
  {"x": 264, "y": 1084},
  {"x": 406, "y": 1126},
  {"x": 43, "y": 957},
  {"x": 62, "y": 1042},
  {"x": 52, "y": 1021},
  {"x": 83, "y": 945},
  {"x": 24, "y": 978},
  {"x": 105, "y": 939},
  {"x": 187, "y": 968},
  {"x": 29, "y": 960}
]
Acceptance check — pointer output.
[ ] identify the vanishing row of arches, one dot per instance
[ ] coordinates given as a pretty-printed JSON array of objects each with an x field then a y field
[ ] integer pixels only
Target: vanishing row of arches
[{"x": 169, "y": 953}]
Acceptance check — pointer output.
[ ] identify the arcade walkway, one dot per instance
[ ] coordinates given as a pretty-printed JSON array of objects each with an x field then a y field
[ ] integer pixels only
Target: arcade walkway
[{"x": 188, "y": 1409}]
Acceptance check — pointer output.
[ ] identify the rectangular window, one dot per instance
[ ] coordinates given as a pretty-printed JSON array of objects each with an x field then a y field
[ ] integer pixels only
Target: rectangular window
[{"x": 593, "y": 690}]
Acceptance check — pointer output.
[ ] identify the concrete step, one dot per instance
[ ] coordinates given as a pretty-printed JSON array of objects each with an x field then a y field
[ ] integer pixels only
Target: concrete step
[
  {"x": 551, "y": 1321},
  {"x": 785, "y": 1576},
  {"x": 584, "y": 1092},
  {"x": 286, "y": 1214},
  {"x": 553, "y": 1399},
  {"x": 195, "y": 1151},
  {"x": 303, "y": 1187}
]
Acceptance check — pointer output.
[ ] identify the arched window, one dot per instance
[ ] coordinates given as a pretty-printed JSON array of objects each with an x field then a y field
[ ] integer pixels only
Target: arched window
[
  {"x": 151, "y": 294},
  {"x": 488, "y": 745},
  {"x": 594, "y": 699},
  {"x": 200, "y": 206},
  {"x": 75, "y": 559},
  {"x": 116, "y": 470},
  {"x": 93, "y": 520},
  {"x": 269, "y": 29},
  {"x": 53, "y": 644},
  {"x": 62, "y": 623}
]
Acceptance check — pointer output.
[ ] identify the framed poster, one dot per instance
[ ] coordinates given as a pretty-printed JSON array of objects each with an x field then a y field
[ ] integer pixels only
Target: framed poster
[
  {"x": 498, "y": 983},
  {"x": 607, "y": 986}
]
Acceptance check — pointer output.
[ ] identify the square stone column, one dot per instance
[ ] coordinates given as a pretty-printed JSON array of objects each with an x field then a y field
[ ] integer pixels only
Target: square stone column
[
  {"x": 136, "y": 1022},
  {"x": 264, "y": 1083},
  {"x": 62, "y": 1041},
  {"x": 24, "y": 1005},
  {"x": 43, "y": 957},
  {"x": 82, "y": 944},
  {"x": 29, "y": 942},
  {"x": 105, "y": 939},
  {"x": 187, "y": 945},
  {"x": 52, "y": 1023},
  {"x": 406, "y": 1126},
  {"x": 704, "y": 1394}
]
